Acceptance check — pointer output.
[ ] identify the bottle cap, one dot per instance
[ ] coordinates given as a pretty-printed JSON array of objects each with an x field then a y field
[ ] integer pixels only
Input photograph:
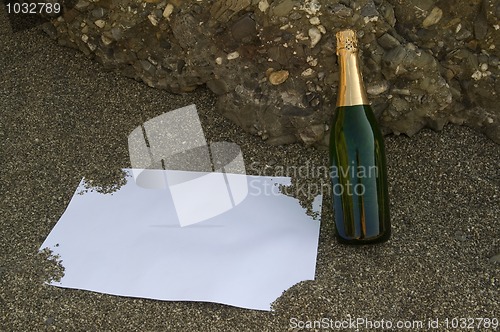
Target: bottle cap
[
  {"x": 351, "y": 88},
  {"x": 347, "y": 40}
]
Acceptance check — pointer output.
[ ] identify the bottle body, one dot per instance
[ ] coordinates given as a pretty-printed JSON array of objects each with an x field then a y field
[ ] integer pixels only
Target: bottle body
[
  {"x": 357, "y": 156},
  {"x": 359, "y": 177}
]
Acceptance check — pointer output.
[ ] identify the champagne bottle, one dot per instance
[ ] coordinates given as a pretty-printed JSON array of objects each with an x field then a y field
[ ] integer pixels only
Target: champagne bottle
[{"x": 357, "y": 156}]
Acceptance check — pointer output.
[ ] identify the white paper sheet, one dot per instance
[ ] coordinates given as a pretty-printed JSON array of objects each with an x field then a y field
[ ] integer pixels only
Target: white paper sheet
[{"x": 132, "y": 243}]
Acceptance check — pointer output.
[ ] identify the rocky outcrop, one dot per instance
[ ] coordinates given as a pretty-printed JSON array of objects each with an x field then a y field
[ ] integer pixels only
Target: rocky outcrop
[{"x": 272, "y": 64}]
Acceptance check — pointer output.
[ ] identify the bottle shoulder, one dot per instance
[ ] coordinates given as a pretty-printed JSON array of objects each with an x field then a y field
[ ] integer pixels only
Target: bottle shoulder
[
  {"x": 355, "y": 108},
  {"x": 354, "y": 116},
  {"x": 355, "y": 124}
]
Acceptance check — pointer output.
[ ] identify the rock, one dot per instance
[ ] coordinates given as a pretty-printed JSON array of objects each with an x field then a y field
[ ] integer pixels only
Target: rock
[
  {"x": 98, "y": 12},
  {"x": 147, "y": 66},
  {"x": 278, "y": 77},
  {"x": 387, "y": 41},
  {"x": 263, "y": 5},
  {"x": 224, "y": 10},
  {"x": 463, "y": 34},
  {"x": 433, "y": 18},
  {"x": 315, "y": 20},
  {"x": 100, "y": 23},
  {"x": 311, "y": 7},
  {"x": 153, "y": 19},
  {"x": 283, "y": 8},
  {"x": 388, "y": 13},
  {"x": 294, "y": 16},
  {"x": 481, "y": 23},
  {"x": 233, "y": 55},
  {"x": 244, "y": 28},
  {"x": 369, "y": 10},
  {"x": 309, "y": 72},
  {"x": 105, "y": 40},
  {"x": 312, "y": 134},
  {"x": 169, "y": 9},
  {"x": 340, "y": 10},
  {"x": 115, "y": 33},
  {"x": 81, "y": 5},
  {"x": 439, "y": 64},
  {"x": 315, "y": 36},
  {"x": 219, "y": 87},
  {"x": 377, "y": 88}
]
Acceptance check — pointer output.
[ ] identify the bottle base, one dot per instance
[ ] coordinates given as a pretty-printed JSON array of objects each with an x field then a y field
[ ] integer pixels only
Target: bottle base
[{"x": 380, "y": 239}]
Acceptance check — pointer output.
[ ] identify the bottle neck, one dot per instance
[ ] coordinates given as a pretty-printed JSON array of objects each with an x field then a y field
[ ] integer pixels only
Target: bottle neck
[{"x": 351, "y": 89}]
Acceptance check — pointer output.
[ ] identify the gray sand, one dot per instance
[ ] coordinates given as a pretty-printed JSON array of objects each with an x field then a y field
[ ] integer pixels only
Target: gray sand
[{"x": 63, "y": 117}]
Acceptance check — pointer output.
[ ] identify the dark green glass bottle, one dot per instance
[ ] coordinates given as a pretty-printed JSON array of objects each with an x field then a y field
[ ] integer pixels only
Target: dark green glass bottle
[{"x": 357, "y": 156}]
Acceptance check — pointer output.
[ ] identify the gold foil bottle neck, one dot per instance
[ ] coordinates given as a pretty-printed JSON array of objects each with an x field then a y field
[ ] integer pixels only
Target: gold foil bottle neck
[
  {"x": 347, "y": 40},
  {"x": 351, "y": 90}
]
